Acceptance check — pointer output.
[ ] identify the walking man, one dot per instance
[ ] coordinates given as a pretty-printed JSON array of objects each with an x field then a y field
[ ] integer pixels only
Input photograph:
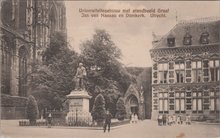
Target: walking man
[
  {"x": 107, "y": 120},
  {"x": 49, "y": 120}
]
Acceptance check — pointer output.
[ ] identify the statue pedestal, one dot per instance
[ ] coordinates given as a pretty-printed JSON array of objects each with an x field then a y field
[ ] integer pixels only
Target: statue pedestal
[{"x": 78, "y": 114}]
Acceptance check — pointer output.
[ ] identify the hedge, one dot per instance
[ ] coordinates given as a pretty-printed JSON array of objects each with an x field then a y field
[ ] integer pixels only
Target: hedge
[{"x": 13, "y": 101}]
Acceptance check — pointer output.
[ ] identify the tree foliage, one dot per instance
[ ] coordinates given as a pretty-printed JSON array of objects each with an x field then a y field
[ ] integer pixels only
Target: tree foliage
[
  {"x": 32, "y": 110},
  {"x": 120, "y": 109},
  {"x": 106, "y": 74},
  {"x": 53, "y": 77},
  {"x": 98, "y": 111}
]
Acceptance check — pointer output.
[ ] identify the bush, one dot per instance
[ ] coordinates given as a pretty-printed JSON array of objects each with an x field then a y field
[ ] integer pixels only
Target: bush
[
  {"x": 98, "y": 111},
  {"x": 120, "y": 109},
  {"x": 32, "y": 110}
]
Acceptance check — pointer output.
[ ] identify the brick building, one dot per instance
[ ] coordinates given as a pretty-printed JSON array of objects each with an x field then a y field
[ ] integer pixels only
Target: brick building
[{"x": 185, "y": 71}]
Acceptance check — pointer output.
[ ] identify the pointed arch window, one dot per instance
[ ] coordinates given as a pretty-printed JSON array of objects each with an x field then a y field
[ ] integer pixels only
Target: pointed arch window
[
  {"x": 22, "y": 72},
  {"x": 6, "y": 68}
]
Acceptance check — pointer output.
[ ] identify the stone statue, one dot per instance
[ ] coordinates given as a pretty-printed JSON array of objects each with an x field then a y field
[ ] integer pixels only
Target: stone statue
[{"x": 80, "y": 76}]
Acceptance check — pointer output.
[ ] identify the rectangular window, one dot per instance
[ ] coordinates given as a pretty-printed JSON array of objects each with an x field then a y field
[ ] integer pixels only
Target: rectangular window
[
  {"x": 177, "y": 94},
  {"x": 197, "y": 75},
  {"x": 177, "y": 104},
  {"x": 163, "y": 77},
  {"x": 160, "y": 95},
  {"x": 214, "y": 70},
  {"x": 163, "y": 66},
  {"x": 182, "y": 94},
  {"x": 182, "y": 105},
  {"x": 163, "y": 72},
  {"x": 194, "y": 94},
  {"x": 179, "y": 76},
  {"x": 194, "y": 105},
  {"x": 180, "y": 71},
  {"x": 199, "y": 104},
  {"x": 197, "y": 71},
  {"x": 160, "y": 105},
  {"x": 212, "y": 93},
  {"x": 165, "y": 94},
  {"x": 165, "y": 105}
]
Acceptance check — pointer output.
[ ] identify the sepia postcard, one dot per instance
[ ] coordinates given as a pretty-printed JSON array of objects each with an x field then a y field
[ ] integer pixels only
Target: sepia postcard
[{"x": 109, "y": 69}]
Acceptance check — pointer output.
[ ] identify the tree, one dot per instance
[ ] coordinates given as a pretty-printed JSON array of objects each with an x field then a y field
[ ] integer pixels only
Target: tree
[
  {"x": 101, "y": 57},
  {"x": 53, "y": 77},
  {"x": 120, "y": 109},
  {"x": 32, "y": 110},
  {"x": 98, "y": 111}
]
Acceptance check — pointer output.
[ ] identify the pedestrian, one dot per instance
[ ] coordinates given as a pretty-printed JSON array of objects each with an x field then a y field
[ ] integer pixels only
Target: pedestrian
[
  {"x": 169, "y": 120},
  {"x": 174, "y": 119},
  {"x": 135, "y": 118},
  {"x": 132, "y": 118},
  {"x": 107, "y": 121},
  {"x": 160, "y": 120},
  {"x": 179, "y": 121},
  {"x": 49, "y": 120},
  {"x": 164, "y": 119},
  {"x": 188, "y": 120}
]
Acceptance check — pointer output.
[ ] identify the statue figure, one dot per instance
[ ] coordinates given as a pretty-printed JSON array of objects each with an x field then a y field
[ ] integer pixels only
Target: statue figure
[{"x": 80, "y": 76}]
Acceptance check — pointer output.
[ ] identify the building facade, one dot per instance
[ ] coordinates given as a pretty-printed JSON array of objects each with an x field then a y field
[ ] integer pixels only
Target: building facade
[
  {"x": 25, "y": 29},
  {"x": 185, "y": 71}
]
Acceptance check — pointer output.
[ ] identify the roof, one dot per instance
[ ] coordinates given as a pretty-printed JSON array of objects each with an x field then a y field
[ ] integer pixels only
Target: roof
[{"x": 195, "y": 28}]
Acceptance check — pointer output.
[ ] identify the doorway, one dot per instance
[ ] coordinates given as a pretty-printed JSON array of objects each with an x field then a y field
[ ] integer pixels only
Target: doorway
[{"x": 134, "y": 105}]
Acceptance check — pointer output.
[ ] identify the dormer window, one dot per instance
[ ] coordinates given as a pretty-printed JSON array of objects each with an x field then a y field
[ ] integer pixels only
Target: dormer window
[
  {"x": 204, "y": 38},
  {"x": 187, "y": 40},
  {"x": 171, "y": 42}
]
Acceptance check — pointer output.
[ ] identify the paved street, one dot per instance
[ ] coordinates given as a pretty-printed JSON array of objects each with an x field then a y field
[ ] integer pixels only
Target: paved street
[{"x": 143, "y": 129}]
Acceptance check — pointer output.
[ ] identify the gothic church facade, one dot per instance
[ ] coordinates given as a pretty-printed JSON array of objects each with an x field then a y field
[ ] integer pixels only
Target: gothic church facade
[{"x": 25, "y": 29}]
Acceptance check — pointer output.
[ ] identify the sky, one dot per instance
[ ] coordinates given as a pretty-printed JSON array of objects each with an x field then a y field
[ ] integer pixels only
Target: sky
[{"x": 133, "y": 35}]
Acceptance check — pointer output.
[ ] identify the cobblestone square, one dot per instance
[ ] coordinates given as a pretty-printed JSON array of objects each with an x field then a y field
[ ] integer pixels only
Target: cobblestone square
[{"x": 143, "y": 129}]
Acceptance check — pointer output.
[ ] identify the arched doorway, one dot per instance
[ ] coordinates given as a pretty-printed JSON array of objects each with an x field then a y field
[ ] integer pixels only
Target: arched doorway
[{"x": 133, "y": 104}]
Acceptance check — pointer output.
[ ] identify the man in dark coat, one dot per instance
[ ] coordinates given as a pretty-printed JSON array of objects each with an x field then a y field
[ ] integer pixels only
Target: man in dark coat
[{"x": 107, "y": 121}]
